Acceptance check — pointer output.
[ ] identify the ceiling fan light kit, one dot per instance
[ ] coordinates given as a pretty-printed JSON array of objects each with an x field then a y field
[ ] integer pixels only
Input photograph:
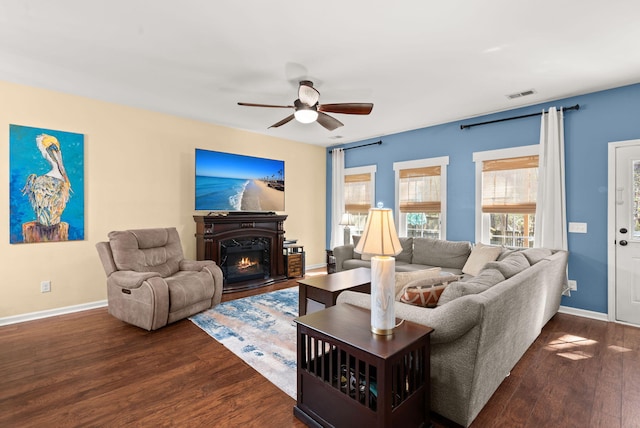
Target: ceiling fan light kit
[{"x": 308, "y": 110}]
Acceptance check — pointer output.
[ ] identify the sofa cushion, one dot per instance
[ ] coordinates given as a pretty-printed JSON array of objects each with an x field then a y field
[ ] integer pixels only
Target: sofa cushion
[
  {"x": 403, "y": 278},
  {"x": 407, "y": 250},
  {"x": 437, "y": 252},
  {"x": 483, "y": 281},
  {"x": 534, "y": 255},
  {"x": 511, "y": 265},
  {"x": 356, "y": 239},
  {"x": 355, "y": 263},
  {"x": 480, "y": 255}
]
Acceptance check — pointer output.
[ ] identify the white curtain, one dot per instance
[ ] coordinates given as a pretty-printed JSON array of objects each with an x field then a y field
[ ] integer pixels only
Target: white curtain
[
  {"x": 337, "y": 196},
  {"x": 551, "y": 213}
]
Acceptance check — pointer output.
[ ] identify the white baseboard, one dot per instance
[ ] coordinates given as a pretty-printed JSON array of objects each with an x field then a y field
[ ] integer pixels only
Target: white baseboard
[
  {"x": 52, "y": 312},
  {"x": 583, "y": 313},
  {"x": 318, "y": 266}
]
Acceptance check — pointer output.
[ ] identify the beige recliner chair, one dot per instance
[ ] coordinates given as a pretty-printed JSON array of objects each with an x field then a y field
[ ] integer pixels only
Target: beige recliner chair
[{"x": 150, "y": 284}]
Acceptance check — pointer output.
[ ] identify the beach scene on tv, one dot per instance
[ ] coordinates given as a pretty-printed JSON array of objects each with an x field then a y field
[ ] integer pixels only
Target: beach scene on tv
[{"x": 230, "y": 182}]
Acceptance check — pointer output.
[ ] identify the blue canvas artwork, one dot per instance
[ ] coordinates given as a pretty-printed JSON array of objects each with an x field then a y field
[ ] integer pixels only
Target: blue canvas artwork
[{"x": 46, "y": 185}]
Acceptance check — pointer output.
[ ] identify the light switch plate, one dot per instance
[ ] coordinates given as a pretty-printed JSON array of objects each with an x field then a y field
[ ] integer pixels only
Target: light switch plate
[{"x": 577, "y": 227}]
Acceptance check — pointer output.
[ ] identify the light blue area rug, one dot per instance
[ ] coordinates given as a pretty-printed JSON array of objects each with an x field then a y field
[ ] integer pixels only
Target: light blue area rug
[{"x": 260, "y": 330}]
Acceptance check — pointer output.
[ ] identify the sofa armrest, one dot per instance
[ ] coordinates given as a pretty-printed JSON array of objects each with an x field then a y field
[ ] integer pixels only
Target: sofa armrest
[
  {"x": 449, "y": 322},
  {"x": 131, "y": 279},
  {"x": 342, "y": 253},
  {"x": 195, "y": 265}
]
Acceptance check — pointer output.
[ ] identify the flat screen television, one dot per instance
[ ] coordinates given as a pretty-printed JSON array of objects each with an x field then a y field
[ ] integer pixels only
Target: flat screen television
[{"x": 230, "y": 182}]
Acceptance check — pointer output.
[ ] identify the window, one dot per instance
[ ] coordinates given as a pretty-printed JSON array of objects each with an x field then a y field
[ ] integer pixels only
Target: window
[
  {"x": 359, "y": 191},
  {"x": 506, "y": 188},
  {"x": 421, "y": 197}
]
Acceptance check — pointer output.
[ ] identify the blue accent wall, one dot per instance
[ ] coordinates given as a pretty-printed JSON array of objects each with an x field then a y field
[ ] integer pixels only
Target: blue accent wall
[{"x": 604, "y": 117}]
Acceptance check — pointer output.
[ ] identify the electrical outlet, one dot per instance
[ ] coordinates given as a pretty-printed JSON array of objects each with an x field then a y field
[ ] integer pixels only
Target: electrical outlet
[
  {"x": 45, "y": 286},
  {"x": 573, "y": 285}
]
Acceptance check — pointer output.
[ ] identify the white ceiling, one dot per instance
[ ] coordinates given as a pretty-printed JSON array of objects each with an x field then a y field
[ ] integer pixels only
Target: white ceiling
[{"x": 420, "y": 62}]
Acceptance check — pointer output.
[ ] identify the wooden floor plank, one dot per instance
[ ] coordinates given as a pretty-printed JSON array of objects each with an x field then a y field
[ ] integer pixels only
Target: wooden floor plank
[{"x": 90, "y": 369}]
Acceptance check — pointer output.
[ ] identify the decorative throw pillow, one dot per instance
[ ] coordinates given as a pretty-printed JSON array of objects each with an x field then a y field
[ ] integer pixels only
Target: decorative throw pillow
[
  {"x": 403, "y": 278},
  {"x": 427, "y": 297},
  {"x": 480, "y": 255}
]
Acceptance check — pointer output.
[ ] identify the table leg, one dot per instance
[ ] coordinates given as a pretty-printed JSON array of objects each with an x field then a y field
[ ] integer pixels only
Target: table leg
[{"x": 302, "y": 303}]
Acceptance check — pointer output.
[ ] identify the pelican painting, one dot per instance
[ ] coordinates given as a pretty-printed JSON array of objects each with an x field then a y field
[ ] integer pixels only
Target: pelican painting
[{"x": 46, "y": 189}]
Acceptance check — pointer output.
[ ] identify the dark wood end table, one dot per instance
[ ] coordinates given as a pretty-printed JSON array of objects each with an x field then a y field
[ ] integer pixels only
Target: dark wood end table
[
  {"x": 347, "y": 376},
  {"x": 324, "y": 289}
]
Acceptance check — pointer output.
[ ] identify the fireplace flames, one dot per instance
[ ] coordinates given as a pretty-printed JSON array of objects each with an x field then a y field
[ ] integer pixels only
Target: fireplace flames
[{"x": 245, "y": 263}]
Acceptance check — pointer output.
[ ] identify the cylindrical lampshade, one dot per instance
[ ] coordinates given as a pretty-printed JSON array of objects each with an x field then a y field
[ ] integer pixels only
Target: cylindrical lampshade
[{"x": 379, "y": 237}]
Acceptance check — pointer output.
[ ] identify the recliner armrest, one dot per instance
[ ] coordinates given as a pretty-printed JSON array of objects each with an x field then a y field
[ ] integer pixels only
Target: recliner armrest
[
  {"x": 195, "y": 265},
  {"x": 131, "y": 279}
]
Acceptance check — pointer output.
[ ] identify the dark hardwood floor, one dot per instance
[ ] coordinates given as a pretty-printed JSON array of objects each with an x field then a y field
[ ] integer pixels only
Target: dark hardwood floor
[{"x": 89, "y": 369}]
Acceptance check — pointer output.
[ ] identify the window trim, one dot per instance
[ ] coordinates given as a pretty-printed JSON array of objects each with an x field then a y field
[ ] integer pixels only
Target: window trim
[
  {"x": 479, "y": 158},
  {"x": 442, "y": 162}
]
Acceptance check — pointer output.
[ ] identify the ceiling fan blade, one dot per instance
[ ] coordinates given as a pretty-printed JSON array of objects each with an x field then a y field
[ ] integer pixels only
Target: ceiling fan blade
[
  {"x": 328, "y": 122},
  {"x": 283, "y": 121},
  {"x": 347, "y": 108},
  {"x": 263, "y": 105},
  {"x": 307, "y": 93}
]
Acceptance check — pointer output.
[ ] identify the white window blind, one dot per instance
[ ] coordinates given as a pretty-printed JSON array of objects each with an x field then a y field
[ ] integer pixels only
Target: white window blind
[
  {"x": 357, "y": 193},
  {"x": 510, "y": 185},
  {"x": 419, "y": 190}
]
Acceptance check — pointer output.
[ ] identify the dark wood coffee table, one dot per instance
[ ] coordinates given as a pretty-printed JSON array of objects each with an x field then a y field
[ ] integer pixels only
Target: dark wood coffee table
[
  {"x": 348, "y": 376},
  {"x": 324, "y": 289}
]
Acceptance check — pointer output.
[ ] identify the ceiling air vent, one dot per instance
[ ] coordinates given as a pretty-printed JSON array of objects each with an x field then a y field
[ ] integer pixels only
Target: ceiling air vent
[{"x": 521, "y": 94}]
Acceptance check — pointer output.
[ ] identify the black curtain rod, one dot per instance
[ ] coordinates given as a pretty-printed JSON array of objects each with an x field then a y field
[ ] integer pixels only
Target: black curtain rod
[
  {"x": 357, "y": 147},
  {"x": 575, "y": 107}
]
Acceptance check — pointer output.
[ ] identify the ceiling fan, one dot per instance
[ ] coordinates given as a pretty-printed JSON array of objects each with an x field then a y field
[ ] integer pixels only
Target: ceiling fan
[{"x": 307, "y": 109}]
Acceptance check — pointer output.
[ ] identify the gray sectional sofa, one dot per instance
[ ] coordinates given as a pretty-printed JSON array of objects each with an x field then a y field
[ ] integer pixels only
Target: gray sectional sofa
[
  {"x": 417, "y": 254},
  {"x": 483, "y": 324}
]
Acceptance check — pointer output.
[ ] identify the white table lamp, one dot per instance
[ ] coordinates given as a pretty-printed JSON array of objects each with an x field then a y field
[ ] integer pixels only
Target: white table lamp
[
  {"x": 346, "y": 222},
  {"x": 380, "y": 240}
]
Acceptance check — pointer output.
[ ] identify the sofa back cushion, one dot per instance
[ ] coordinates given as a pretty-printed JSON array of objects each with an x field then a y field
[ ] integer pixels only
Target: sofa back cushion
[
  {"x": 486, "y": 279},
  {"x": 147, "y": 250},
  {"x": 512, "y": 265},
  {"x": 534, "y": 255},
  {"x": 407, "y": 250},
  {"x": 356, "y": 239},
  {"x": 437, "y": 252}
]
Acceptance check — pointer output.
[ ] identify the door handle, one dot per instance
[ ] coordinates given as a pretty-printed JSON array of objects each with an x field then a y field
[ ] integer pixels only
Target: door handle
[
  {"x": 623, "y": 230},
  {"x": 623, "y": 243}
]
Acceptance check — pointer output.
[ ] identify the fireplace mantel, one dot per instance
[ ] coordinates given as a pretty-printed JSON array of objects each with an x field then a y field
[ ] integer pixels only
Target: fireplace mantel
[{"x": 211, "y": 230}]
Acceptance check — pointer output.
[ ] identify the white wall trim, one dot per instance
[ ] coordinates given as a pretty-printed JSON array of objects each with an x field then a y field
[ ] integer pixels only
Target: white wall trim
[
  {"x": 52, "y": 312},
  {"x": 583, "y": 313}
]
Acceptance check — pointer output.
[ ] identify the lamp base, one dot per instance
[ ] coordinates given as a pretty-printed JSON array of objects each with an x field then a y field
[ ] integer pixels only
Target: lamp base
[
  {"x": 346, "y": 237},
  {"x": 383, "y": 318},
  {"x": 381, "y": 332}
]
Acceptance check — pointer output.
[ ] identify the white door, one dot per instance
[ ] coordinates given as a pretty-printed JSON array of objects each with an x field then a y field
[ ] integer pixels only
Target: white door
[{"x": 627, "y": 233}]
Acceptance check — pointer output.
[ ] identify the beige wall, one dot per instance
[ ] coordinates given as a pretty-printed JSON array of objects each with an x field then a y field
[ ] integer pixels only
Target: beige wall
[{"x": 139, "y": 172}]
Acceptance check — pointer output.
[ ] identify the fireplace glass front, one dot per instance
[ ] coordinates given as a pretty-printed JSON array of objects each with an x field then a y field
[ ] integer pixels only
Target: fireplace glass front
[{"x": 245, "y": 259}]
